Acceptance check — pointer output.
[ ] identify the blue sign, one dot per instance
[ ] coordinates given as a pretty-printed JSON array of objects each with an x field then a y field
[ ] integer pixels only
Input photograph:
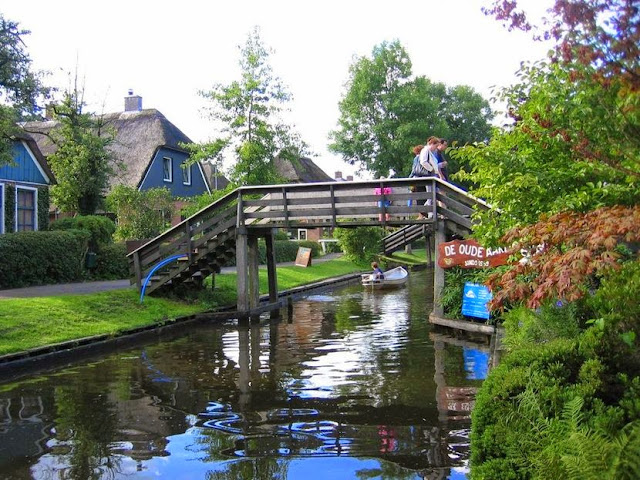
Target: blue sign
[{"x": 475, "y": 299}]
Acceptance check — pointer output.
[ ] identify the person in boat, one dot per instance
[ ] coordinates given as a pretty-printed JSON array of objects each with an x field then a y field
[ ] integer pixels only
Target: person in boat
[{"x": 377, "y": 272}]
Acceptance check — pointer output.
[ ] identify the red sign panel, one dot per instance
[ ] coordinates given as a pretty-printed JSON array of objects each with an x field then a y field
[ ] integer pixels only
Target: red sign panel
[{"x": 469, "y": 254}]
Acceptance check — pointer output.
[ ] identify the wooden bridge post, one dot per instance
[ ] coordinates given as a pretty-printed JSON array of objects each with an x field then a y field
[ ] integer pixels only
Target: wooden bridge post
[
  {"x": 242, "y": 268},
  {"x": 254, "y": 261},
  {"x": 247, "y": 267},
  {"x": 271, "y": 267},
  {"x": 438, "y": 272}
]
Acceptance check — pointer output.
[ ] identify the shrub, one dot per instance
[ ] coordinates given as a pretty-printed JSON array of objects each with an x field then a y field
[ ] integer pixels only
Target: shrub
[
  {"x": 360, "y": 244},
  {"x": 40, "y": 258},
  {"x": 565, "y": 401},
  {"x": 100, "y": 228},
  {"x": 454, "y": 280},
  {"x": 111, "y": 263},
  {"x": 141, "y": 213},
  {"x": 525, "y": 327}
]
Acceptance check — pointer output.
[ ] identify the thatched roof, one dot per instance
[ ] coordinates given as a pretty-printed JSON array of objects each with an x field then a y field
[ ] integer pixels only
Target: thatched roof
[
  {"x": 138, "y": 135},
  {"x": 301, "y": 170}
]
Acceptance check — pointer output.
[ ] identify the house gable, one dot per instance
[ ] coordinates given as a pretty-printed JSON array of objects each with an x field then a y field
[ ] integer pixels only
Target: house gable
[
  {"x": 26, "y": 168},
  {"x": 165, "y": 170}
]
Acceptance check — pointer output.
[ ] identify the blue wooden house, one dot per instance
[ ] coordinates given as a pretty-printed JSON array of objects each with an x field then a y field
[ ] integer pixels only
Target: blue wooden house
[
  {"x": 148, "y": 145},
  {"x": 24, "y": 188}
]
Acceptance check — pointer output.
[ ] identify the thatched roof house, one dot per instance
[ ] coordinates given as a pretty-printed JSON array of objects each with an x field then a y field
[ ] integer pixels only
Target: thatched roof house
[
  {"x": 301, "y": 170},
  {"x": 147, "y": 144}
]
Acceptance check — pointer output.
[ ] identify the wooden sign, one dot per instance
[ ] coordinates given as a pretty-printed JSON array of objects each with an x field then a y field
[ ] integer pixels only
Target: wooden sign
[
  {"x": 469, "y": 254},
  {"x": 303, "y": 258}
]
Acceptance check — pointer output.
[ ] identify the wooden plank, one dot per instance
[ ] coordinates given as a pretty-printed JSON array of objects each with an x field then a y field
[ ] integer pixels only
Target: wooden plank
[
  {"x": 453, "y": 216},
  {"x": 462, "y": 324},
  {"x": 454, "y": 205}
]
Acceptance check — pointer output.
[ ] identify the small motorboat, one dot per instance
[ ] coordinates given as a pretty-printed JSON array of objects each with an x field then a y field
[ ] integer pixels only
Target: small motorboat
[{"x": 396, "y": 277}]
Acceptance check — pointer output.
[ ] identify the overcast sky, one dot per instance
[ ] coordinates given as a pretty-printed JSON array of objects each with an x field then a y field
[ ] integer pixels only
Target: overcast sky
[{"x": 166, "y": 51}]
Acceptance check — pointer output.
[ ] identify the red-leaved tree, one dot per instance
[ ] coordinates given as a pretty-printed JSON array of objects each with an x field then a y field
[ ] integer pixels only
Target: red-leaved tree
[{"x": 568, "y": 252}]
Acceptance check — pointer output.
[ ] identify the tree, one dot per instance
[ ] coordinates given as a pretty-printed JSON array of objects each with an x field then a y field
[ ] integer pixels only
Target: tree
[
  {"x": 249, "y": 113},
  {"x": 20, "y": 86},
  {"x": 141, "y": 214},
  {"x": 82, "y": 163},
  {"x": 574, "y": 143},
  {"x": 569, "y": 252},
  {"x": 384, "y": 112},
  {"x": 598, "y": 51}
]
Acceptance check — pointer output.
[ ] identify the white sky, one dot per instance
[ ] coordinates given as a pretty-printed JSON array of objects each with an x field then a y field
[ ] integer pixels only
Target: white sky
[{"x": 166, "y": 51}]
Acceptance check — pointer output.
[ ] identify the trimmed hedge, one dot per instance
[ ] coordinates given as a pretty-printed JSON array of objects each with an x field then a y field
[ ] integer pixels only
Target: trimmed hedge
[
  {"x": 40, "y": 258},
  {"x": 100, "y": 228},
  {"x": 111, "y": 263}
]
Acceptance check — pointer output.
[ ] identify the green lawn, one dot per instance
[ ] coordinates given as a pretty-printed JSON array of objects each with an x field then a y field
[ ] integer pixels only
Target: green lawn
[{"x": 28, "y": 323}]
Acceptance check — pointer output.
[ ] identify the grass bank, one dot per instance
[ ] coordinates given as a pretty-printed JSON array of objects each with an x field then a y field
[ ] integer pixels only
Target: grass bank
[{"x": 37, "y": 322}]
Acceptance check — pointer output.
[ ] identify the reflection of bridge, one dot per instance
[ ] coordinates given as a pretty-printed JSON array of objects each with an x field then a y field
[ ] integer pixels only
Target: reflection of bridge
[{"x": 232, "y": 225}]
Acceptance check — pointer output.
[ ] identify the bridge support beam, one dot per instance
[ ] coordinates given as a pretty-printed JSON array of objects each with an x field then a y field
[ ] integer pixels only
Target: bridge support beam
[
  {"x": 247, "y": 262},
  {"x": 438, "y": 272},
  {"x": 271, "y": 267},
  {"x": 247, "y": 259}
]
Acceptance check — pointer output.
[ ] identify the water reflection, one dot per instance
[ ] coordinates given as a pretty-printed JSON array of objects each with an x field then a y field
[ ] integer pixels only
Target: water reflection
[{"x": 355, "y": 385}]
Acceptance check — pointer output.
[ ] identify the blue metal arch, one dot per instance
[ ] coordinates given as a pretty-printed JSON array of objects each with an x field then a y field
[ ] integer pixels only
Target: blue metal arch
[{"x": 156, "y": 267}]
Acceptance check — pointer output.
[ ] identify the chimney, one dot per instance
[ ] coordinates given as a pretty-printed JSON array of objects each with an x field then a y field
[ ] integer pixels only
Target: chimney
[
  {"x": 349, "y": 178},
  {"x": 338, "y": 175},
  {"x": 132, "y": 103}
]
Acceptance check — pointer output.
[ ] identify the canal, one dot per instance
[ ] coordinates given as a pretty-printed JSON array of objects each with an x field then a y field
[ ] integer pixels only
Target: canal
[{"x": 347, "y": 384}]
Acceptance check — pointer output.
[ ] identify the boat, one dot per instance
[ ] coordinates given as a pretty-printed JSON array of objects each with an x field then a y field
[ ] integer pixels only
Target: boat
[{"x": 396, "y": 277}]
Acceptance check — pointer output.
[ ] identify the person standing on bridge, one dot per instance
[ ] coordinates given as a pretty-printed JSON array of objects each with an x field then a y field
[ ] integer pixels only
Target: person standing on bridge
[
  {"x": 384, "y": 203},
  {"x": 428, "y": 165},
  {"x": 416, "y": 158},
  {"x": 442, "y": 162}
]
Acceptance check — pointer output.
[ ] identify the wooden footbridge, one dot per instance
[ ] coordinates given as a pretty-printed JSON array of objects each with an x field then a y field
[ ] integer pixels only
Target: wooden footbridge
[{"x": 231, "y": 226}]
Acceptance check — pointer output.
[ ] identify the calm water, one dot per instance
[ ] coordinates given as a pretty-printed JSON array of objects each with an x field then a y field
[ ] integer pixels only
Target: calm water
[{"x": 348, "y": 384}]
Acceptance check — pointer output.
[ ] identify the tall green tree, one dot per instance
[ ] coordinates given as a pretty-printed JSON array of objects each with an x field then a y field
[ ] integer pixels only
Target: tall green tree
[
  {"x": 20, "y": 86},
  {"x": 575, "y": 139},
  {"x": 385, "y": 112},
  {"x": 82, "y": 163},
  {"x": 249, "y": 114}
]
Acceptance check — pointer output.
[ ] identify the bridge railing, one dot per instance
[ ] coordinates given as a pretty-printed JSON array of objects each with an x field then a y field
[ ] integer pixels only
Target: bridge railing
[{"x": 390, "y": 201}]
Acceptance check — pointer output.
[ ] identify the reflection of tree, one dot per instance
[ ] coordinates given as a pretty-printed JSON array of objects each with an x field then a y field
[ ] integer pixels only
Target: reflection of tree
[
  {"x": 87, "y": 422},
  {"x": 252, "y": 469}
]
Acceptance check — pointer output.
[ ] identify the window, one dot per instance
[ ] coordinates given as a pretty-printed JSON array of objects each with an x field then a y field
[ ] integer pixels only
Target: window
[
  {"x": 167, "y": 169},
  {"x": 26, "y": 202},
  {"x": 302, "y": 234},
  {"x": 186, "y": 174}
]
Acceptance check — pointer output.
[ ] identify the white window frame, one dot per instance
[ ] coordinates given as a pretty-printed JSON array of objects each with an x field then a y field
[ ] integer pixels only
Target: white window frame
[
  {"x": 302, "y": 234},
  {"x": 186, "y": 174},
  {"x": 168, "y": 160},
  {"x": 3, "y": 188},
  {"x": 35, "y": 207}
]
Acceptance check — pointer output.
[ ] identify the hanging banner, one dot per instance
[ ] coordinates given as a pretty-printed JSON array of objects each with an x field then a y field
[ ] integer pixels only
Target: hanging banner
[{"x": 469, "y": 254}]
